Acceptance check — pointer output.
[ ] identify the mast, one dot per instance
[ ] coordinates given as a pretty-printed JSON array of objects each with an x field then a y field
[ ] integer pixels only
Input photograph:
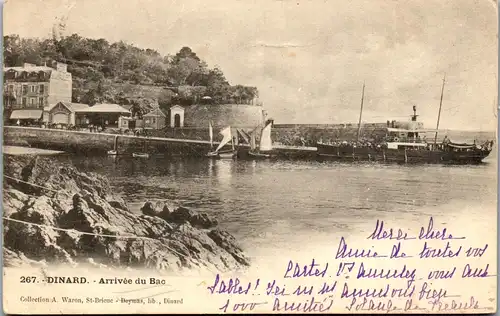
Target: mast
[
  {"x": 439, "y": 113},
  {"x": 232, "y": 141},
  {"x": 361, "y": 111},
  {"x": 211, "y": 134}
]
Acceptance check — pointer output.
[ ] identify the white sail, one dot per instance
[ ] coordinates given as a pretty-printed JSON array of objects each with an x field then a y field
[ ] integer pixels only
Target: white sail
[
  {"x": 227, "y": 137},
  {"x": 211, "y": 133},
  {"x": 265, "y": 139}
]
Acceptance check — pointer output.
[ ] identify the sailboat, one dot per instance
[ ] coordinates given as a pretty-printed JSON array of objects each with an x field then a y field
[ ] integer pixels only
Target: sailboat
[
  {"x": 265, "y": 144},
  {"x": 144, "y": 154},
  {"x": 227, "y": 137}
]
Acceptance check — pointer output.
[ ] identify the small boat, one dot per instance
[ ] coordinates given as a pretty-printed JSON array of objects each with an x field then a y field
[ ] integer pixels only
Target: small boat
[
  {"x": 112, "y": 152},
  {"x": 227, "y": 137},
  {"x": 265, "y": 144},
  {"x": 140, "y": 155},
  {"x": 227, "y": 155},
  {"x": 212, "y": 154},
  {"x": 259, "y": 155},
  {"x": 144, "y": 154}
]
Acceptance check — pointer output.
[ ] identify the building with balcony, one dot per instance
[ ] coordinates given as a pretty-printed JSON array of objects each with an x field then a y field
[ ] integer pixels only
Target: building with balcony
[{"x": 31, "y": 88}]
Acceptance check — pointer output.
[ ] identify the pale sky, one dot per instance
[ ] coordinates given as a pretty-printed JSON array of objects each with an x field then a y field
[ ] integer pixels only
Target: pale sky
[{"x": 309, "y": 58}]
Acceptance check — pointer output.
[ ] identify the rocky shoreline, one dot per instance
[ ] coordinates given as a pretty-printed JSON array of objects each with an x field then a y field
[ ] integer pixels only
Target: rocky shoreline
[{"x": 78, "y": 221}]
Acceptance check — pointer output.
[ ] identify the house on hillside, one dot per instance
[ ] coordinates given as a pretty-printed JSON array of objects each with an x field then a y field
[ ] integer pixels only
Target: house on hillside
[{"x": 155, "y": 119}]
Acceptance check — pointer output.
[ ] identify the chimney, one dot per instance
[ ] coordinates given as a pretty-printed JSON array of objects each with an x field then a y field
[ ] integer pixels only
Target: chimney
[{"x": 62, "y": 67}]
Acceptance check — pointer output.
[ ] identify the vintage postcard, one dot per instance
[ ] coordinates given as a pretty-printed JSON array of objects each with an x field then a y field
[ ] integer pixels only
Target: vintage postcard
[{"x": 267, "y": 156}]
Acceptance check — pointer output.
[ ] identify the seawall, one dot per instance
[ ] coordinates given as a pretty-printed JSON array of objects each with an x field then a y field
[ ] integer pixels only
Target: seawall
[
  {"x": 290, "y": 141},
  {"x": 76, "y": 141},
  {"x": 101, "y": 143}
]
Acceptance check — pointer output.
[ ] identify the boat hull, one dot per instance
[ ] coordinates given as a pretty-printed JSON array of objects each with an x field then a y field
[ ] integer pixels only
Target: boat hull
[
  {"x": 227, "y": 155},
  {"x": 140, "y": 155},
  {"x": 222, "y": 155},
  {"x": 350, "y": 153},
  {"x": 258, "y": 155}
]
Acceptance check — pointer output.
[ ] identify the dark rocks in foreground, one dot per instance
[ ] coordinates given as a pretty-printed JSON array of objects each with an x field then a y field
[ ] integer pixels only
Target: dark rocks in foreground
[
  {"x": 165, "y": 236},
  {"x": 178, "y": 214}
]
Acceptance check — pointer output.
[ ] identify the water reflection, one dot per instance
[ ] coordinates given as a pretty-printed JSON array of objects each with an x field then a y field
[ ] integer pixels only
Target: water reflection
[
  {"x": 210, "y": 168},
  {"x": 224, "y": 171}
]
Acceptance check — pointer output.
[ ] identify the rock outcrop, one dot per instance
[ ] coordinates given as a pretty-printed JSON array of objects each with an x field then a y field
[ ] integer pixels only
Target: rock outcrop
[
  {"x": 178, "y": 214},
  {"x": 73, "y": 217}
]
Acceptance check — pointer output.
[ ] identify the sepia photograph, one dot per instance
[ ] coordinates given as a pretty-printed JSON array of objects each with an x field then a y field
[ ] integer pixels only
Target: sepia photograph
[{"x": 267, "y": 156}]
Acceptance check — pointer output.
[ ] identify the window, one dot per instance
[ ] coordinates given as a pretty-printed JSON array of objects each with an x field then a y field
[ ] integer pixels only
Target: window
[
  {"x": 25, "y": 89},
  {"x": 10, "y": 88},
  {"x": 154, "y": 120},
  {"x": 24, "y": 102},
  {"x": 32, "y": 101},
  {"x": 41, "y": 102},
  {"x": 32, "y": 89},
  {"x": 41, "y": 89}
]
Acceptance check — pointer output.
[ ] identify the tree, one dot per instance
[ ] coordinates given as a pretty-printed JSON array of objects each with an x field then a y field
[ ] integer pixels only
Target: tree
[
  {"x": 182, "y": 70},
  {"x": 12, "y": 50},
  {"x": 217, "y": 86},
  {"x": 187, "y": 68},
  {"x": 185, "y": 52}
]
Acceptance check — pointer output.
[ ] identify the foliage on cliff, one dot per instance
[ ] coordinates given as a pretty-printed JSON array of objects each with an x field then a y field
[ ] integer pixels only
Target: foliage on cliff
[{"x": 100, "y": 69}]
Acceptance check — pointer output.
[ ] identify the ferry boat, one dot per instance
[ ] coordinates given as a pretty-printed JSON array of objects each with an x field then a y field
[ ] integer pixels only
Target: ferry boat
[{"x": 405, "y": 145}]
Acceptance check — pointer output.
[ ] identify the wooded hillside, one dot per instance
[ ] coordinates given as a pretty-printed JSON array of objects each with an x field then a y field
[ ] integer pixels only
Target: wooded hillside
[{"x": 124, "y": 74}]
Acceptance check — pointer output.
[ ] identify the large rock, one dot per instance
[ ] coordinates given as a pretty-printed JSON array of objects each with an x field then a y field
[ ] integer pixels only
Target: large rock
[
  {"x": 13, "y": 201},
  {"x": 153, "y": 208},
  {"x": 16, "y": 259},
  {"x": 198, "y": 220},
  {"x": 177, "y": 214},
  {"x": 73, "y": 217}
]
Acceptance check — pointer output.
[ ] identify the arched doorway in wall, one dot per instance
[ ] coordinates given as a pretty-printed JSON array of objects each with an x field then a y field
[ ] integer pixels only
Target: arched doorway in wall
[{"x": 177, "y": 120}]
